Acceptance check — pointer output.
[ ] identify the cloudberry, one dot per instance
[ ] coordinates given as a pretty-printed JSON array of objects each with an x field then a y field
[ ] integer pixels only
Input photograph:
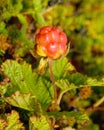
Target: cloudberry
[{"x": 51, "y": 42}]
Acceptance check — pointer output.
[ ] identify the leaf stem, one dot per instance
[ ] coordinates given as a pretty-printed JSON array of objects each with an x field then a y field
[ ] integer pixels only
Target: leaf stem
[
  {"x": 50, "y": 62},
  {"x": 99, "y": 102},
  {"x": 60, "y": 96}
]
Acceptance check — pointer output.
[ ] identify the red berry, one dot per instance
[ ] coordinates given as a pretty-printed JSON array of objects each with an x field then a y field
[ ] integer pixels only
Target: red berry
[
  {"x": 44, "y": 39},
  {"x": 51, "y": 42},
  {"x": 63, "y": 38},
  {"x": 45, "y": 29},
  {"x": 52, "y": 47}
]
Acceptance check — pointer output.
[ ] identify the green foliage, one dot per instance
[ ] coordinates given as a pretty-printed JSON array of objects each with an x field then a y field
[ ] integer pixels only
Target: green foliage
[
  {"x": 71, "y": 117},
  {"x": 23, "y": 79},
  {"x": 59, "y": 67},
  {"x": 3, "y": 28},
  {"x": 19, "y": 75},
  {"x": 20, "y": 31},
  {"x": 24, "y": 101},
  {"x": 11, "y": 122},
  {"x": 78, "y": 116},
  {"x": 67, "y": 80},
  {"x": 38, "y": 7},
  {"x": 30, "y": 91},
  {"x": 27, "y": 85},
  {"x": 10, "y": 8},
  {"x": 64, "y": 84},
  {"x": 39, "y": 123}
]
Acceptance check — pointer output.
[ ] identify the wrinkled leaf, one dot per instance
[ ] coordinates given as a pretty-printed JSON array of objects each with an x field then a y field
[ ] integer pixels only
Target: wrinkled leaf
[
  {"x": 95, "y": 82},
  {"x": 12, "y": 122},
  {"x": 39, "y": 123},
  {"x": 43, "y": 90},
  {"x": 79, "y": 116},
  {"x": 59, "y": 67},
  {"x": 23, "y": 79},
  {"x": 64, "y": 84},
  {"x": 80, "y": 79},
  {"x": 77, "y": 78},
  {"x": 21, "y": 76},
  {"x": 3, "y": 124},
  {"x": 25, "y": 101}
]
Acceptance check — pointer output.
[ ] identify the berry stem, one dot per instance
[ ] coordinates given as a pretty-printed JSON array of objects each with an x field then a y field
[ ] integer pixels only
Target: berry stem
[{"x": 50, "y": 62}]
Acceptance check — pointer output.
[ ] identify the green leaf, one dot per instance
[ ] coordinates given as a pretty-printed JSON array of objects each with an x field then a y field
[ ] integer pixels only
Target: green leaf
[
  {"x": 2, "y": 52},
  {"x": 65, "y": 85},
  {"x": 60, "y": 67},
  {"x": 95, "y": 127},
  {"x": 23, "y": 21},
  {"x": 3, "y": 29},
  {"x": 20, "y": 75},
  {"x": 11, "y": 8},
  {"x": 25, "y": 101},
  {"x": 95, "y": 82},
  {"x": 23, "y": 79},
  {"x": 12, "y": 122},
  {"x": 37, "y": 4},
  {"x": 80, "y": 79},
  {"x": 77, "y": 81},
  {"x": 20, "y": 37},
  {"x": 39, "y": 123},
  {"x": 79, "y": 116},
  {"x": 43, "y": 90},
  {"x": 23, "y": 37}
]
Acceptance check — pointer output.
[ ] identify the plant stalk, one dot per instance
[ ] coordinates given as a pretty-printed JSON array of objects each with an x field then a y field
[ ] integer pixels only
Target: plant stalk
[{"x": 50, "y": 62}]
